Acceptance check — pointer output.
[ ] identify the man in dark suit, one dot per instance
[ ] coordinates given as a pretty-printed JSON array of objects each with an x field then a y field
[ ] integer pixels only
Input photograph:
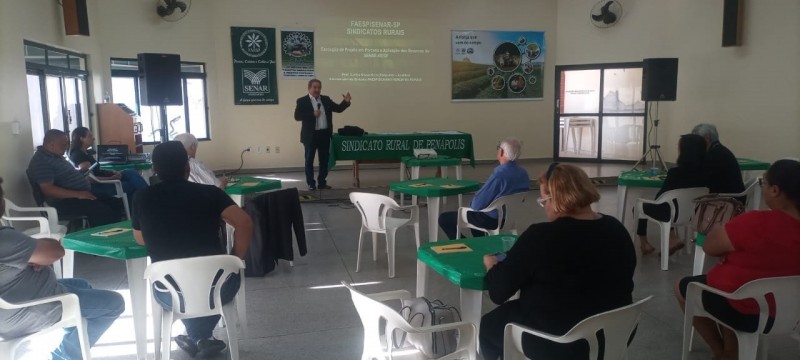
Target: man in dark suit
[{"x": 316, "y": 113}]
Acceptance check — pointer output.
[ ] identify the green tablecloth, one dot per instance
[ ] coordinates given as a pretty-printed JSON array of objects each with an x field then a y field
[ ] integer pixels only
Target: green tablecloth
[
  {"x": 122, "y": 246},
  {"x": 640, "y": 179},
  {"x": 395, "y": 146},
  {"x": 750, "y": 164},
  {"x": 134, "y": 165},
  {"x": 440, "y": 160},
  {"x": 464, "y": 269},
  {"x": 250, "y": 185},
  {"x": 434, "y": 187},
  {"x": 644, "y": 179}
]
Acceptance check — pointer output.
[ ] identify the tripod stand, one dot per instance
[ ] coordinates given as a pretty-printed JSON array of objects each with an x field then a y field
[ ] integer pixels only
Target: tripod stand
[{"x": 653, "y": 151}]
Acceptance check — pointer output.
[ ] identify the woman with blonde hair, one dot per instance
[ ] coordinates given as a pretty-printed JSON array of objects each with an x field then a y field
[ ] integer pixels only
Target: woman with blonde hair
[{"x": 578, "y": 264}]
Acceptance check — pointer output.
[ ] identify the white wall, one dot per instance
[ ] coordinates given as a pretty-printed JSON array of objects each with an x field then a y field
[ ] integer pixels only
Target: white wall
[
  {"x": 203, "y": 35},
  {"x": 41, "y": 21},
  {"x": 750, "y": 92}
]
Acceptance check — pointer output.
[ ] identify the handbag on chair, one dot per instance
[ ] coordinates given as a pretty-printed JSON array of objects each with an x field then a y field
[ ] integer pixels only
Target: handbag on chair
[
  {"x": 421, "y": 312},
  {"x": 714, "y": 209}
]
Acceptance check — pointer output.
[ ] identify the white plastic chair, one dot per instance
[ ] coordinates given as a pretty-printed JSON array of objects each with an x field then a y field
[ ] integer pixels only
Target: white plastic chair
[
  {"x": 194, "y": 280},
  {"x": 120, "y": 193},
  {"x": 48, "y": 226},
  {"x": 372, "y": 311},
  {"x": 70, "y": 317},
  {"x": 617, "y": 326},
  {"x": 516, "y": 209},
  {"x": 752, "y": 190},
  {"x": 376, "y": 218},
  {"x": 681, "y": 209},
  {"x": 786, "y": 291}
]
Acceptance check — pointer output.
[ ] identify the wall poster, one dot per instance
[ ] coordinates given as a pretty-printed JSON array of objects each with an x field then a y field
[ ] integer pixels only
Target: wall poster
[
  {"x": 254, "y": 69},
  {"x": 497, "y": 65},
  {"x": 297, "y": 56}
]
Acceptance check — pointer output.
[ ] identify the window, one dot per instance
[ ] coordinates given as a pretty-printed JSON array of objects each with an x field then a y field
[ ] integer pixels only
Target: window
[
  {"x": 599, "y": 113},
  {"x": 191, "y": 117},
  {"x": 56, "y": 89}
]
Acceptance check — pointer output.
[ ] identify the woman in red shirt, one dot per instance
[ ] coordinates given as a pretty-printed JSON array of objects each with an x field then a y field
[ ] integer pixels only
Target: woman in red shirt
[{"x": 754, "y": 245}]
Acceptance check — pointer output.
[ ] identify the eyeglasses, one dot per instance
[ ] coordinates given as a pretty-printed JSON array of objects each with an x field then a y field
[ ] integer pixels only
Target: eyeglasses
[{"x": 542, "y": 201}]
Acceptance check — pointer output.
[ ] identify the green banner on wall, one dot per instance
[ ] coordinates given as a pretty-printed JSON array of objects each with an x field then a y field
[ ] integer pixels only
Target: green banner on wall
[
  {"x": 254, "y": 70},
  {"x": 297, "y": 56}
]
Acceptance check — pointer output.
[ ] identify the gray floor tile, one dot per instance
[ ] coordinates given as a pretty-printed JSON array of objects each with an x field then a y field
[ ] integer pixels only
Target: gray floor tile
[{"x": 301, "y": 312}]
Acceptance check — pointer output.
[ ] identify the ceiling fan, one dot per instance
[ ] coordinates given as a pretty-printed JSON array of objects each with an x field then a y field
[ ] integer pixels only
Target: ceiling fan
[
  {"x": 606, "y": 13},
  {"x": 173, "y": 10}
]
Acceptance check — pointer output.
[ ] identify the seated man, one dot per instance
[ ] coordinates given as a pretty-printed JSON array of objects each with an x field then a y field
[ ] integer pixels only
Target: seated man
[
  {"x": 26, "y": 274},
  {"x": 508, "y": 178},
  {"x": 177, "y": 219},
  {"x": 66, "y": 188},
  {"x": 198, "y": 172},
  {"x": 722, "y": 168}
]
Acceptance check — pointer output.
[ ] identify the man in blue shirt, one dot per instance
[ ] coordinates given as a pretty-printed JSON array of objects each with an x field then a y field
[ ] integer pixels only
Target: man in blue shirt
[{"x": 508, "y": 178}]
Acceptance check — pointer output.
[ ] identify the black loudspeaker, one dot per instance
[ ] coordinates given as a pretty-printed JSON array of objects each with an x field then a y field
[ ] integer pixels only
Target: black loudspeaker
[
  {"x": 76, "y": 17},
  {"x": 160, "y": 79},
  {"x": 659, "y": 79},
  {"x": 732, "y": 23}
]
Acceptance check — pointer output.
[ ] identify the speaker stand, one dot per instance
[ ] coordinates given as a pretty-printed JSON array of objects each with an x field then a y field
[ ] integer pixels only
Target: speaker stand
[
  {"x": 164, "y": 127},
  {"x": 653, "y": 152}
]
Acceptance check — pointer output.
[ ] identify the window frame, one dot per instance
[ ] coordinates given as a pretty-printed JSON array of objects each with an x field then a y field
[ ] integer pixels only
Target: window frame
[
  {"x": 42, "y": 71},
  {"x": 600, "y": 112},
  {"x": 134, "y": 74}
]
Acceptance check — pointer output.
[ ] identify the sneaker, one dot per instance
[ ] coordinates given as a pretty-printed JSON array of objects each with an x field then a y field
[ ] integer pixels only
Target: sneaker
[
  {"x": 325, "y": 187},
  {"x": 312, "y": 188},
  {"x": 210, "y": 347},
  {"x": 186, "y": 344}
]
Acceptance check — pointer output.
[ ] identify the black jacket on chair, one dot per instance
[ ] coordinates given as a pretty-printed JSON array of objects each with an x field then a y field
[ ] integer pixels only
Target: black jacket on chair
[{"x": 275, "y": 215}]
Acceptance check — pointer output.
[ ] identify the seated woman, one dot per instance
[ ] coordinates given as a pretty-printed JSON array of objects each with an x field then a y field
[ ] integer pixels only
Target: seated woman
[
  {"x": 689, "y": 173},
  {"x": 753, "y": 245},
  {"x": 577, "y": 265},
  {"x": 82, "y": 139}
]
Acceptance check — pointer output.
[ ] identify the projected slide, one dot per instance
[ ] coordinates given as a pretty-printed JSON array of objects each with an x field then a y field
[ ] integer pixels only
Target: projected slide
[
  {"x": 372, "y": 51},
  {"x": 497, "y": 65}
]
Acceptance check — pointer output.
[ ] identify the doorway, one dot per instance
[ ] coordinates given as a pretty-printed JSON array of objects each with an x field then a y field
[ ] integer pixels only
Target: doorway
[{"x": 599, "y": 114}]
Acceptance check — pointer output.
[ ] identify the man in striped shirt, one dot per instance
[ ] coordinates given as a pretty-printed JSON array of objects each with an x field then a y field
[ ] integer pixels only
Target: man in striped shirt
[{"x": 66, "y": 188}]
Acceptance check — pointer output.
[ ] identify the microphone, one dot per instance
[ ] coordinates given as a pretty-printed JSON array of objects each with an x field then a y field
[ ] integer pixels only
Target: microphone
[{"x": 319, "y": 105}]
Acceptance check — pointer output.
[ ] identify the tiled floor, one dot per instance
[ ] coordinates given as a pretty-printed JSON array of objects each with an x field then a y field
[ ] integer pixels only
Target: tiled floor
[{"x": 300, "y": 312}]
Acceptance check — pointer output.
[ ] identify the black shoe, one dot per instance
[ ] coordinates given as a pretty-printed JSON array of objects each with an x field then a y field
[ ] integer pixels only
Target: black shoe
[
  {"x": 186, "y": 344},
  {"x": 210, "y": 347},
  {"x": 312, "y": 188},
  {"x": 325, "y": 187}
]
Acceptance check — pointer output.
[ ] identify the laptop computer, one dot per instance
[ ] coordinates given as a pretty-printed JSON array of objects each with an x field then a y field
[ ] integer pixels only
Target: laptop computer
[
  {"x": 138, "y": 158},
  {"x": 112, "y": 154}
]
